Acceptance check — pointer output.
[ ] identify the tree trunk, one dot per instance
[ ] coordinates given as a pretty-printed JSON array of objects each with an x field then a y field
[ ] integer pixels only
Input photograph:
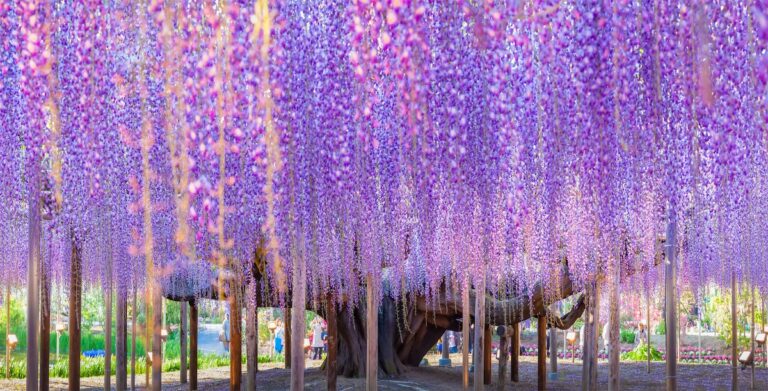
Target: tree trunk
[
  {"x": 613, "y": 330},
  {"x": 487, "y": 356},
  {"x": 734, "y": 336},
  {"x": 503, "y": 356},
  {"x": 515, "y": 361},
  {"x": 670, "y": 296},
  {"x": 333, "y": 341},
  {"x": 108, "y": 323},
  {"x": 157, "y": 341},
  {"x": 465, "y": 328},
  {"x": 479, "y": 344}
]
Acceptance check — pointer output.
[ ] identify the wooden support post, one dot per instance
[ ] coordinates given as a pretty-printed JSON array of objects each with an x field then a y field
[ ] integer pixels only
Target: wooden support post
[
  {"x": 333, "y": 340},
  {"x": 75, "y": 293},
  {"x": 183, "y": 342},
  {"x": 251, "y": 336},
  {"x": 287, "y": 329},
  {"x": 121, "y": 372},
  {"x": 613, "y": 327},
  {"x": 372, "y": 335},
  {"x": 752, "y": 338},
  {"x": 45, "y": 326},
  {"x": 193, "y": 346},
  {"x": 648, "y": 328},
  {"x": 235, "y": 342},
  {"x": 7, "y": 328},
  {"x": 552, "y": 375},
  {"x": 33, "y": 278},
  {"x": 591, "y": 326},
  {"x": 466, "y": 321},
  {"x": 734, "y": 336},
  {"x": 541, "y": 364},
  {"x": 134, "y": 310},
  {"x": 479, "y": 344},
  {"x": 504, "y": 337},
  {"x": 514, "y": 367},
  {"x": 298, "y": 326},
  {"x": 108, "y": 322},
  {"x": 487, "y": 356},
  {"x": 157, "y": 341},
  {"x": 670, "y": 297}
]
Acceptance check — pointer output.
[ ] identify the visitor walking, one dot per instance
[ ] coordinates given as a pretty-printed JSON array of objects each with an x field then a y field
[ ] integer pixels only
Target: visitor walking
[
  {"x": 279, "y": 335},
  {"x": 641, "y": 335},
  {"x": 317, "y": 340},
  {"x": 224, "y": 334}
]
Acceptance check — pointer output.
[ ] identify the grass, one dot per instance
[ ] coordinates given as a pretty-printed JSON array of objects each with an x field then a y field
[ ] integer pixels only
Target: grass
[{"x": 94, "y": 366}]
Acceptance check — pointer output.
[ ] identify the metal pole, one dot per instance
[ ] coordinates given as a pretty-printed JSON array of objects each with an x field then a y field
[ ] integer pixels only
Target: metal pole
[
  {"x": 465, "y": 325},
  {"x": 752, "y": 337},
  {"x": 648, "y": 327},
  {"x": 372, "y": 336},
  {"x": 670, "y": 297}
]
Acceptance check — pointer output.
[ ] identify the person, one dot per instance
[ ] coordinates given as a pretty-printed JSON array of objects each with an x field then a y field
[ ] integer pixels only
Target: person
[
  {"x": 279, "y": 335},
  {"x": 317, "y": 340},
  {"x": 581, "y": 337},
  {"x": 452, "y": 343},
  {"x": 224, "y": 335},
  {"x": 641, "y": 335},
  {"x": 606, "y": 338}
]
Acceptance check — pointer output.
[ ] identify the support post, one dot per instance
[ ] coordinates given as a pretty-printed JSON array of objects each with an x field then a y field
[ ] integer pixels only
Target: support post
[
  {"x": 108, "y": 321},
  {"x": 552, "y": 351},
  {"x": 183, "y": 342},
  {"x": 541, "y": 363},
  {"x": 287, "y": 321},
  {"x": 479, "y": 343},
  {"x": 251, "y": 336},
  {"x": 514, "y": 367},
  {"x": 121, "y": 372},
  {"x": 487, "y": 356},
  {"x": 298, "y": 327},
  {"x": 45, "y": 326},
  {"x": 75, "y": 287},
  {"x": 465, "y": 326},
  {"x": 134, "y": 310},
  {"x": 235, "y": 342},
  {"x": 504, "y": 335},
  {"x": 157, "y": 341},
  {"x": 193, "y": 346},
  {"x": 333, "y": 340},
  {"x": 613, "y": 327},
  {"x": 589, "y": 359},
  {"x": 7, "y": 328},
  {"x": 670, "y": 297},
  {"x": 734, "y": 336},
  {"x": 33, "y": 277},
  {"x": 648, "y": 328},
  {"x": 752, "y": 338},
  {"x": 372, "y": 335}
]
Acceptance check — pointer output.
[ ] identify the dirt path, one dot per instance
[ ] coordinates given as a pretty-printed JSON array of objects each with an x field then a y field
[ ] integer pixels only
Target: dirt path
[{"x": 633, "y": 378}]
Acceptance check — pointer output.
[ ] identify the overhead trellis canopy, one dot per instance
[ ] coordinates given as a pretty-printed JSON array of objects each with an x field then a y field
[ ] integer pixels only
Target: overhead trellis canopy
[{"x": 436, "y": 140}]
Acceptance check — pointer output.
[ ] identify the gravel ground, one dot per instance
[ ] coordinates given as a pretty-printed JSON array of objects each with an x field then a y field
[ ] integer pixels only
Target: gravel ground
[{"x": 633, "y": 377}]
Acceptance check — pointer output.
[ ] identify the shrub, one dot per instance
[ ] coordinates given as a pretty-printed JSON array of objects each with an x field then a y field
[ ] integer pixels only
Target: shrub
[
  {"x": 640, "y": 353},
  {"x": 627, "y": 336}
]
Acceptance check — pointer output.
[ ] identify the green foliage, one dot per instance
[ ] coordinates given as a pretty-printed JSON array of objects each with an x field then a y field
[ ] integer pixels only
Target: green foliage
[
  {"x": 718, "y": 309},
  {"x": 627, "y": 336},
  {"x": 661, "y": 328},
  {"x": 640, "y": 353},
  {"x": 18, "y": 323}
]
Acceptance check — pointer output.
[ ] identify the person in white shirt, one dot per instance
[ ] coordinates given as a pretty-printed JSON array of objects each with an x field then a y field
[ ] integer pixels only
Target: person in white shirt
[{"x": 317, "y": 340}]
